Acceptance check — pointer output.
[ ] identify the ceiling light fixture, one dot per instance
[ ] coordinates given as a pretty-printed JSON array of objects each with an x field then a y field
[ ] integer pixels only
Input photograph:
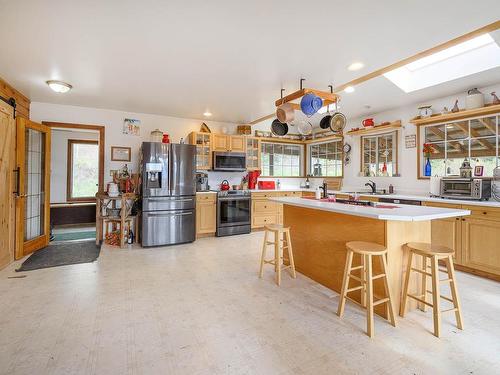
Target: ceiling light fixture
[
  {"x": 207, "y": 114},
  {"x": 355, "y": 66},
  {"x": 59, "y": 86},
  {"x": 349, "y": 89}
]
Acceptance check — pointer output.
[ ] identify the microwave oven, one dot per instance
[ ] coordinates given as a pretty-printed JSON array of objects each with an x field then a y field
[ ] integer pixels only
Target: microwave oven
[
  {"x": 466, "y": 188},
  {"x": 229, "y": 161}
]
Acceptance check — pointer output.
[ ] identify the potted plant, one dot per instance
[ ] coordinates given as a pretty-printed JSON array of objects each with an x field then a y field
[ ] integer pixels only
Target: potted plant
[{"x": 427, "y": 150}]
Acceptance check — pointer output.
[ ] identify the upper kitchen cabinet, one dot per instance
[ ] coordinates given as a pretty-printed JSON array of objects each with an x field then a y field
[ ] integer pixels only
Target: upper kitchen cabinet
[
  {"x": 253, "y": 153},
  {"x": 203, "y": 142},
  {"x": 228, "y": 143}
]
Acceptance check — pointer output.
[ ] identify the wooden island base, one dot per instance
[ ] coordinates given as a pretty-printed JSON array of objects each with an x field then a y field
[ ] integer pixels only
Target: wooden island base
[{"x": 319, "y": 239}]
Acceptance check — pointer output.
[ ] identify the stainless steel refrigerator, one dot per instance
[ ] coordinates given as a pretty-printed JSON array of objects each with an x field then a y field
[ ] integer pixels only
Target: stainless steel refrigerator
[{"x": 168, "y": 191}]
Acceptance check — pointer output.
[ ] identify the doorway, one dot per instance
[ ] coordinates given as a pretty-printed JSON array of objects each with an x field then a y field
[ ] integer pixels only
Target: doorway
[{"x": 76, "y": 176}]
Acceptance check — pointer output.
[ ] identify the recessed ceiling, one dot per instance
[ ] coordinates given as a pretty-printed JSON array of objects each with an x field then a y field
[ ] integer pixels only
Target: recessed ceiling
[{"x": 184, "y": 58}]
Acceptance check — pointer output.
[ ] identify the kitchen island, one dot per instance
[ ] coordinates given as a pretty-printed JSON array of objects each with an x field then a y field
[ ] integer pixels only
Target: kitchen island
[{"x": 320, "y": 230}]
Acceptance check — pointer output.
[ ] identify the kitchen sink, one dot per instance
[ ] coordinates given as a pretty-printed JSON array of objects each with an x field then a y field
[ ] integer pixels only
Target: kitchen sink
[{"x": 364, "y": 192}]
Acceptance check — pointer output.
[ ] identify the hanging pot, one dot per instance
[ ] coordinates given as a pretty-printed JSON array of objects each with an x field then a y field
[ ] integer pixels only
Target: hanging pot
[
  {"x": 285, "y": 113},
  {"x": 278, "y": 128},
  {"x": 338, "y": 122},
  {"x": 305, "y": 127},
  {"x": 310, "y": 104}
]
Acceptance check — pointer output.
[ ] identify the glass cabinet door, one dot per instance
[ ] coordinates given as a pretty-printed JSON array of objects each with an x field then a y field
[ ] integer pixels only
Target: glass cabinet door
[
  {"x": 203, "y": 150},
  {"x": 253, "y": 152}
]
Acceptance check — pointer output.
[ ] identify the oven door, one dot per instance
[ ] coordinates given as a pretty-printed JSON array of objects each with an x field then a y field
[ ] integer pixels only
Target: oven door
[
  {"x": 229, "y": 161},
  {"x": 233, "y": 211},
  {"x": 456, "y": 188}
]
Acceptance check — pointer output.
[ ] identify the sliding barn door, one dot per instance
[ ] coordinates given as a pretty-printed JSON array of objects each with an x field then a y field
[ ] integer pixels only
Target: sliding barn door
[
  {"x": 7, "y": 165},
  {"x": 33, "y": 194}
]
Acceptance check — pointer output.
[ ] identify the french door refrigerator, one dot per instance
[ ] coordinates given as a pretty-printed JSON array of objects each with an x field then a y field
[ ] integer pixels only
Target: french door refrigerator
[{"x": 168, "y": 191}]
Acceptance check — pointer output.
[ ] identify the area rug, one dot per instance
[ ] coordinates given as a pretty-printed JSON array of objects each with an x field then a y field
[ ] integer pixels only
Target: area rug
[
  {"x": 71, "y": 236},
  {"x": 61, "y": 254}
]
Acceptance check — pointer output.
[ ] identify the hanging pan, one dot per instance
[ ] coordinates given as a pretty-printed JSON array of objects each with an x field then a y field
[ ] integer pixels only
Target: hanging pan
[
  {"x": 278, "y": 128},
  {"x": 338, "y": 120}
]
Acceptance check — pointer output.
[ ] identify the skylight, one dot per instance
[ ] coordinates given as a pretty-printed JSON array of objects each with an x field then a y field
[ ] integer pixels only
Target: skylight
[{"x": 470, "y": 57}]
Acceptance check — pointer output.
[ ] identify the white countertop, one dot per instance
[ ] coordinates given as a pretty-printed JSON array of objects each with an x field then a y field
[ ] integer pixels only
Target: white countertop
[{"x": 400, "y": 213}]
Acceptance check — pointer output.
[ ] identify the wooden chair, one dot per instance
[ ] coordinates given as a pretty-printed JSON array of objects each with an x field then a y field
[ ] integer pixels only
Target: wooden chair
[
  {"x": 366, "y": 250},
  {"x": 281, "y": 241},
  {"x": 434, "y": 253}
]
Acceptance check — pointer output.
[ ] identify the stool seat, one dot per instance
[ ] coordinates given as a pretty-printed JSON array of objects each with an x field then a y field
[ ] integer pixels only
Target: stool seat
[
  {"x": 366, "y": 248},
  {"x": 275, "y": 227},
  {"x": 429, "y": 249}
]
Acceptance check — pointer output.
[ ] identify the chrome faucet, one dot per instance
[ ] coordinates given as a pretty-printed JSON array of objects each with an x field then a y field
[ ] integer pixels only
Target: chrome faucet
[
  {"x": 324, "y": 187},
  {"x": 372, "y": 185}
]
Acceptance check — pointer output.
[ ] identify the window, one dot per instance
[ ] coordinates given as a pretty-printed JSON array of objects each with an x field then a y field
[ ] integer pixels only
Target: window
[
  {"x": 83, "y": 170},
  {"x": 281, "y": 159},
  {"x": 470, "y": 57},
  {"x": 475, "y": 139},
  {"x": 379, "y": 155},
  {"x": 326, "y": 159}
]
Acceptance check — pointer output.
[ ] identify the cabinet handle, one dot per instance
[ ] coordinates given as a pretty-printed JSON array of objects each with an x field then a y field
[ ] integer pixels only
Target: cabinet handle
[
  {"x": 485, "y": 213},
  {"x": 457, "y": 218},
  {"x": 463, "y": 219}
]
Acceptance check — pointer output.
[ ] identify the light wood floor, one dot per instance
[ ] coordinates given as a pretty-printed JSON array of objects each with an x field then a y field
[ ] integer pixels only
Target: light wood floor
[{"x": 201, "y": 309}]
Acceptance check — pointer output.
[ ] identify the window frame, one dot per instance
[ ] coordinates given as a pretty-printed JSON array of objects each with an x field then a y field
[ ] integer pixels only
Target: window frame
[
  {"x": 395, "y": 134},
  {"x": 309, "y": 156},
  {"x": 421, "y": 141},
  {"x": 69, "y": 171},
  {"x": 301, "y": 162}
]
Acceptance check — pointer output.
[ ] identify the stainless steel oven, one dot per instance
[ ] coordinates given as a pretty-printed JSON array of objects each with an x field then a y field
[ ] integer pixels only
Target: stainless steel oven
[
  {"x": 233, "y": 212},
  {"x": 466, "y": 188},
  {"x": 230, "y": 161}
]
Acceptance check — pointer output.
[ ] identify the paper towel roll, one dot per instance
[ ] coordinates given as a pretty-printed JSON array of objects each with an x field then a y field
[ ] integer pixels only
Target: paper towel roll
[{"x": 435, "y": 186}]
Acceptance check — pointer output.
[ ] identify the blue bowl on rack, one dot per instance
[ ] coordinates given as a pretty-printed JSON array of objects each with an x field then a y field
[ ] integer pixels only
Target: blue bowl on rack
[{"x": 310, "y": 104}]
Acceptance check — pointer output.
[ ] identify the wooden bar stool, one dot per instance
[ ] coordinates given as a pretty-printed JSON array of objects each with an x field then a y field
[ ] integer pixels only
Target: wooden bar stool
[
  {"x": 434, "y": 253},
  {"x": 281, "y": 241},
  {"x": 366, "y": 250}
]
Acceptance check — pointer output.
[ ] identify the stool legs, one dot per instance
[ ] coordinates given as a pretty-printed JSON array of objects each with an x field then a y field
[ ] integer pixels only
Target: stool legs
[
  {"x": 388, "y": 292},
  {"x": 263, "y": 256},
  {"x": 345, "y": 283},
  {"x": 281, "y": 241},
  {"x": 369, "y": 295},
  {"x": 402, "y": 308},
  {"x": 454, "y": 293},
  {"x": 290, "y": 252},
  {"x": 277, "y": 257},
  {"x": 423, "y": 306},
  {"x": 436, "y": 312}
]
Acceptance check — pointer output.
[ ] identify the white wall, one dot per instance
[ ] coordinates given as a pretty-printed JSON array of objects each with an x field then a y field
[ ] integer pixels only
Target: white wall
[
  {"x": 59, "y": 160},
  {"x": 113, "y": 121}
]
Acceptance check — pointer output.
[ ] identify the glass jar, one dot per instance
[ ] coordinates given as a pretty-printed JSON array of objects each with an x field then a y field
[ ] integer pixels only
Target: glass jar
[{"x": 156, "y": 135}]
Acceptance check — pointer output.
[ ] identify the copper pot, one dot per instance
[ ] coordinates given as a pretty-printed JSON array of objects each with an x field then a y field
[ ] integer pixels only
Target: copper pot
[{"x": 285, "y": 113}]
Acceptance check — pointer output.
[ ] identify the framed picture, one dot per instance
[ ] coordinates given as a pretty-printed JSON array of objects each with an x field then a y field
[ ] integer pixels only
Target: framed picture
[
  {"x": 131, "y": 126},
  {"x": 120, "y": 153},
  {"x": 478, "y": 170},
  {"x": 411, "y": 141}
]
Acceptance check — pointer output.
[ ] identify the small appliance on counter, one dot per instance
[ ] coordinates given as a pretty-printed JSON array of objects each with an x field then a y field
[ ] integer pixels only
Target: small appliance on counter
[
  {"x": 435, "y": 186},
  {"x": 266, "y": 185},
  {"x": 252, "y": 179},
  {"x": 233, "y": 212},
  {"x": 202, "y": 181},
  {"x": 466, "y": 188}
]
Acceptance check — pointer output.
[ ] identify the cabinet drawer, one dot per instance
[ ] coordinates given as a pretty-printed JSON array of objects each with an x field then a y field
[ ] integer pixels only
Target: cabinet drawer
[
  {"x": 261, "y": 196},
  {"x": 441, "y": 205},
  {"x": 264, "y": 206},
  {"x": 290, "y": 194},
  {"x": 486, "y": 213},
  {"x": 261, "y": 220},
  {"x": 308, "y": 194},
  {"x": 206, "y": 197}
]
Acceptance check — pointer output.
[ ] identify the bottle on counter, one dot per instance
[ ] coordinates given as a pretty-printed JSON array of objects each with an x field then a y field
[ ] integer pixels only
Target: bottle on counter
[
  {"x": 308, "y": 184},
  {"x": 318, "y": 192},
  {"x": 278, "y": 184},
  {"x": 391, "y": 189},
  {"x": 130, "y": 238}
]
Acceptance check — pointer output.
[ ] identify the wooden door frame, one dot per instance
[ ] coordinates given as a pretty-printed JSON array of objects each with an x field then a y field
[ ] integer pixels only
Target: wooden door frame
[{"x": 100, "y": 129}]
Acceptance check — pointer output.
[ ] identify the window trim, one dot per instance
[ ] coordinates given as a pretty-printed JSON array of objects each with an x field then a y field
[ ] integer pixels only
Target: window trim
[
  {"x": 421, "y": 139},
  {"x": 69, "y": 171},
  {"x": 302, "y": 158},
  {"x": 309, "y": 154},
  {"x": 396, "y": 147}
]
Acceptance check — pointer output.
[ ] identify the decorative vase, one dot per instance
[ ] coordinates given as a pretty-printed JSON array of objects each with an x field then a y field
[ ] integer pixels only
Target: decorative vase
[{"x": 428, "y": 168}]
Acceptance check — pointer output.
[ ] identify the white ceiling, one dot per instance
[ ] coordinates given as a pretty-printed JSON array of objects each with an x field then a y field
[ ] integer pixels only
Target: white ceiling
[{"x": 230, "y": 57}]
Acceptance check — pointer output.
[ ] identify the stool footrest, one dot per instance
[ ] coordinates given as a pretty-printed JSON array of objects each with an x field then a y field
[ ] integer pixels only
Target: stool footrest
[
  {"x": 446, "y": 280},
  {"x": 353, "y": 300},
  {"x": 356, "y": 278},
  {"x": 356, "y": 268},
  {"x": 378, "y": 276},
  {"x": 420, "y": 300},
  {"x": 448, "y": 310},
  {"x": 354, "y": 289},
  {"x": 421, "y": 271},
  {"x": 382, "y": 300}
]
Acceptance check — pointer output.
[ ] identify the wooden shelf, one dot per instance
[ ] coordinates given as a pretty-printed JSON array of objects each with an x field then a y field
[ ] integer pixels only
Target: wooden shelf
[
  {"x": 376, "y": 129},
  {"x": 454, "y": 116}
]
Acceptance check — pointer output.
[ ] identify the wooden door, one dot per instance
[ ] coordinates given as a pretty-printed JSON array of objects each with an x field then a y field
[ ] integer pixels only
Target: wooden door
[
  {"x": 33, "y": 190},
  {"x": 481, "y": 244},
  {"x": 7, "y": 178},
  {"x": 237, "y": 143},
  {"x": 221, "y": 142}
]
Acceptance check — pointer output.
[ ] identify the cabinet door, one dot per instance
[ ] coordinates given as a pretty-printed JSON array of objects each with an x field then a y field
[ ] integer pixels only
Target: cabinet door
[
  {"x": 447, "y": 232},
  {"x": 221, "y": 142},
  {"x": 481, "y": 245},
  {"x": 237, "y": 143},
  {"x": 253, "y": 153},
  {"x": 205, "y": 217},
  {"x": 203, "y": 142}
]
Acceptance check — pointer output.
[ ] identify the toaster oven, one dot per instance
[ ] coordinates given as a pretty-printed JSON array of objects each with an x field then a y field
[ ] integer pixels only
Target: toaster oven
[{"x": 466, "y": 188}]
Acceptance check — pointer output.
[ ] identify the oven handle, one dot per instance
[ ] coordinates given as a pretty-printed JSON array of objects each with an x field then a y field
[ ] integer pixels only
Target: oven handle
[
  {"x": 234, "y": 199},
  {"x": 169, "y": 214}
]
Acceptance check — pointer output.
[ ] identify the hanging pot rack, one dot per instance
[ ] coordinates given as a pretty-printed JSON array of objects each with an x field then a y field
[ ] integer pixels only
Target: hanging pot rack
[{"x": 328, "y": 97}]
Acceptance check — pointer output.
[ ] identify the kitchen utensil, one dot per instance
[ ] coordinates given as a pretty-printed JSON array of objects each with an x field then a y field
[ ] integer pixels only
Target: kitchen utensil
[
  {"x": 367, "y": 122},
  {"x": 474, "y": 99},
  {"x": 285, "y": 113},
  {"x": 278, "y": 128},
  {"x": 225, "y": 185},
  {"x": 305, "y": 127},
  {"x": 338, "y": 122},
  {"x": 310, "y": 104},
  {"x": 236, "y": 187},
  {"x": 325, "y": 122}
]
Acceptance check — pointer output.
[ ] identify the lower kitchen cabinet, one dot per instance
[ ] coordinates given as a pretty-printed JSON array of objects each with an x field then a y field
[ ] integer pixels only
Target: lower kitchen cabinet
[
  {"x": 448, "y": 232},
  {"x": 481, "y": 244},
  {"x": 206, "y": 213},
  {"x": 265, "y": 212}
]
